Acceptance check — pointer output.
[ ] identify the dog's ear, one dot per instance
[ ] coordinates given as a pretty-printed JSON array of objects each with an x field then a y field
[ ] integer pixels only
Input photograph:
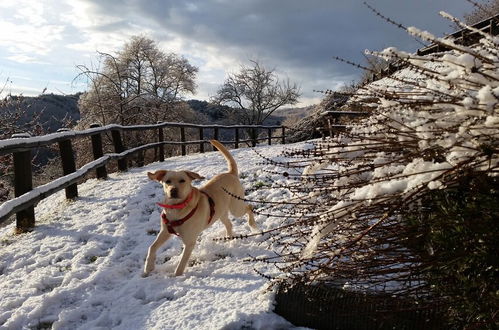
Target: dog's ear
[
  {"x": 157, "y": 176},
  {"x": 194, "y": 175}
]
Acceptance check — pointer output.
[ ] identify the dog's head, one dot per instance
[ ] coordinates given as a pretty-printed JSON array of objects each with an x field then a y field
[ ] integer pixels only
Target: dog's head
[{"x": 176, "y": 184}]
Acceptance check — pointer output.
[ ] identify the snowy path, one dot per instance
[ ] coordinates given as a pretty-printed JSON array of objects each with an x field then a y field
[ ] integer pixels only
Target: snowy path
[{"x": 81, "y": 267}]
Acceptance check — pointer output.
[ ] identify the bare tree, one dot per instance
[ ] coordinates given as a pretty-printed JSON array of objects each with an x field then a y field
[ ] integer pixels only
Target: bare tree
[
  {"x": 482, "y": 11},
  {"x": 140, "y": 84},
  {"x": 375, "y": 68},
  {"x": 256, "y": 93}
]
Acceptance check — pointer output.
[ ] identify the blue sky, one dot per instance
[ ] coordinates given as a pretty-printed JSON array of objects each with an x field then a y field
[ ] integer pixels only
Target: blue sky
[{"x": 42, "y": 41}]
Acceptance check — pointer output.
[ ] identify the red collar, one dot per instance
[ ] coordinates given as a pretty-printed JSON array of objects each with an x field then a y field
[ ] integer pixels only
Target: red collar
[
  {"x": 175, "y": 223},
  {"x": 180, "y": 205}
]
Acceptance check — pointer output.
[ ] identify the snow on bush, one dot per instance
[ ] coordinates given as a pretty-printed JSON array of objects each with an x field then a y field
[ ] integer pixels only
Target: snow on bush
[{"x": 431, "y": 124}]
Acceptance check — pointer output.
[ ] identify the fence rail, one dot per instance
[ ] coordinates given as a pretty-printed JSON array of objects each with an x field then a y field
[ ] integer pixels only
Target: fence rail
[
  {"x": 465, "y": 36},
  {"x": 12, "y": 145},
  {"x": 331, "y": 123},
  {"x": 20, "y": 147}
]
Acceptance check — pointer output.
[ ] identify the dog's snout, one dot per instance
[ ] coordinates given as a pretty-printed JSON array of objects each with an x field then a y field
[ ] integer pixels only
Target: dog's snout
[{"x": 174, "y": 193}]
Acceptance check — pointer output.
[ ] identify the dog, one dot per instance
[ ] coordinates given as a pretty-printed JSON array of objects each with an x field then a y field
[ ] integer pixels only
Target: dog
[{"x": 187, "y": 210}]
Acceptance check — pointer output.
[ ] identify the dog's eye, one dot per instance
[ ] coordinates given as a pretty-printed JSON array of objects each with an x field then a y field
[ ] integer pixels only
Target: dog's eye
[
  {"x": 182, "y": 181},
  {"x": 168, "y": 181}
]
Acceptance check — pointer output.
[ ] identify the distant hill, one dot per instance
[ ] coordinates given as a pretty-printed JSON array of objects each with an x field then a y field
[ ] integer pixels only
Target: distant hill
[
  {"x": 295, "y": 112},
  {"x": 54, "y": 109},
  {"x": 282, "y": 114},
  {"x": 217, "y": 114}
]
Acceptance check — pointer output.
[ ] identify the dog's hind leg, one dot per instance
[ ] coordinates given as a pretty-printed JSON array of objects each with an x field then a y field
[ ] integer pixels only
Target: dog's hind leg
[
  {"x": 188, "y": 247},
  {"x": 238, "y": 208},
  {"x": 251, "y": 218},
  {"x": 162, "y": 237},
  {"x": 228, "y": 225}
]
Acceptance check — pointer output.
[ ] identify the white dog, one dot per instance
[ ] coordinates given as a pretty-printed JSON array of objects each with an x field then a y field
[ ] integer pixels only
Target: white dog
[{"x": 187, "y": 211}]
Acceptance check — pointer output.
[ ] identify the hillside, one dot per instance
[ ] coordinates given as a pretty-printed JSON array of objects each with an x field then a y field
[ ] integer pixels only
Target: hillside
[
  {"x": 218, "y": 114},
  {"x": 298, "y": 113},
  {"x": 54, "y": 109}
]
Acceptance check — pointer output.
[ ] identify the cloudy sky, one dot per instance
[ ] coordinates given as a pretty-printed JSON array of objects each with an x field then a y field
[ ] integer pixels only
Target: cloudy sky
[{"x": 42, "y": 41}]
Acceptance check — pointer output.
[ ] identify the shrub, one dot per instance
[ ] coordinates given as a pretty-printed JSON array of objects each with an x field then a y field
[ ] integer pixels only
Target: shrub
[{"x": 405, "y": 201}]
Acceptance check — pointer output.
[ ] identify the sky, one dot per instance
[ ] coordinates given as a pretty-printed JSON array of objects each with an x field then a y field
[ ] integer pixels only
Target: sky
[{"x": 42, "y": 41}]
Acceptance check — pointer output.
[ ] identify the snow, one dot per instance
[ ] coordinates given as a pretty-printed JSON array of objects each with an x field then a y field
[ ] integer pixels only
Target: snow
[
  {"x": 488, "y": 97},
  {"x": 442, "y": 110},
  {"x": 81, "y": 267},
  {"x": 42, "y": 190}
]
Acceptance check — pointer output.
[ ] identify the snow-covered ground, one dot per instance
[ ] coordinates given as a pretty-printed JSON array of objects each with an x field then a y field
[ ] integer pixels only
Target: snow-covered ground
[{"x": 81, "y": 267}]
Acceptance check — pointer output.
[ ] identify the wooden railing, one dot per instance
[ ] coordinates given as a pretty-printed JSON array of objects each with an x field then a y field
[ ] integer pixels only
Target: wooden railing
[
  {"x": 464, "y": 36},
  {"x": 21, "y": 146},
  {"x": 332, "y": 126}
]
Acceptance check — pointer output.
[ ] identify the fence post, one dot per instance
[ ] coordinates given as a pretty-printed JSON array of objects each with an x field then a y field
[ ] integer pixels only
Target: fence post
[
  {"x": 182, "y": 139},
  {"x": 98, "y": 153},
  {"x": 23, "y": 182},
  {"x": 215, "y": 136},
  {"x": 283, "y": 137},
  {"x": 269, "y": 133},
  {"x": 119, "y": 148},
  {"x": 236, "y": 144},
  {"x": 161, "y": 138},
  {"x": 201, "y": 138},
  {"x": 254, "y": 136},
  {"x": 68, "y": 163},
  {"x": 465, "y": 38},
  {"x": 493, "y": 27},
  {"x": 330, "y": 128}
]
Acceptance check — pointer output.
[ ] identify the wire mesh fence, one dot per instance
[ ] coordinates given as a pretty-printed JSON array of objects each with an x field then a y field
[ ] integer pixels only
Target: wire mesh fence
[{"x": 330, "y": 307}]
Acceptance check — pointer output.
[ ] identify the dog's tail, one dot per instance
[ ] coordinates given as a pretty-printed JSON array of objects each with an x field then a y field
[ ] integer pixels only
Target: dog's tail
[{"x": 231, "y": 163}]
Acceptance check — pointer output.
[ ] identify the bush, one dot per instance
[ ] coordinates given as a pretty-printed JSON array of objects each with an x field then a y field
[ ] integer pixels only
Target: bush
[
  {"x": 404, "y": 202},
  {"x": 456, "y": 236}
]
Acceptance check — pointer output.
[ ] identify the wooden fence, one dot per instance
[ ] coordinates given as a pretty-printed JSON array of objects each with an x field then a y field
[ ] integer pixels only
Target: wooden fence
[
  {"x": 331, "y": 121},
  {"x": 21, "y": 146},
  {"x": 465, "y": 36}
]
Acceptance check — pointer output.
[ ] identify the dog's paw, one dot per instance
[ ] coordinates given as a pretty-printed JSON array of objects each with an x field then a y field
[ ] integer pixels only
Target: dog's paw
[
  {"x": 255, "y": 230},
  {"x": 147, "y": 271},
  {"x": 149, "y": 266}
]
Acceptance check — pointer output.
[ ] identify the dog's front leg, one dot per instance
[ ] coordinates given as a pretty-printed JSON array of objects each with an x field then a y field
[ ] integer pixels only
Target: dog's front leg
[
  {"x": 188, "y": 247},
  {"x": 162, "y": 237}
]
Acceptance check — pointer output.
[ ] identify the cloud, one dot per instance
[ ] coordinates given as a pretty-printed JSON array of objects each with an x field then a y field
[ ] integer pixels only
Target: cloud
[
  {"x": 298, "y": 38},
  {"x": 27, "y": 32},
  {"x": 29, "y": 40},
  {"x": 22, "y": 58},
  {"x": 31, "y": 12},
  {"x": 16, "y": 89}
]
